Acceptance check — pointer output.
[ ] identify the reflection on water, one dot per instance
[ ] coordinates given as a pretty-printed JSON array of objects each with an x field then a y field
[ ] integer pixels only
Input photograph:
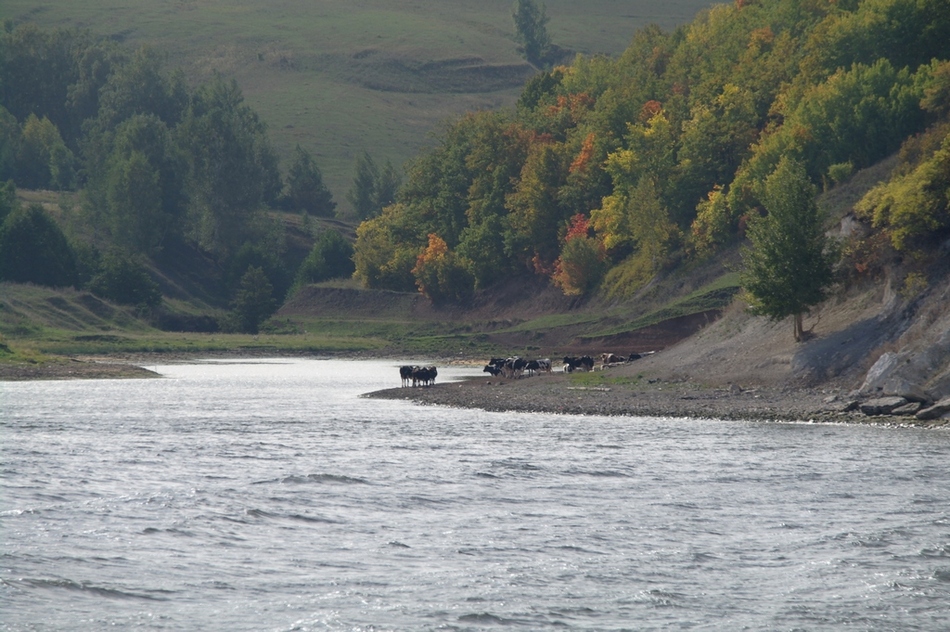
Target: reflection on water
[{"x": 269, "y": 495}]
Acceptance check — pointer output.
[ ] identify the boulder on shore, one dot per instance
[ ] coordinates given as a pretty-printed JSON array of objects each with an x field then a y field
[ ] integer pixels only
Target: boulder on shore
[
  {"x": 882, "y": 405},
  {"x": 936, "y": 411},
  {"x": 900, "y": 387}
]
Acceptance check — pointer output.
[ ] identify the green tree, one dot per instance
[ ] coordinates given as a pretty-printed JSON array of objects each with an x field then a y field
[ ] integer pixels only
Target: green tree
[
  {"x": 140, "y": 86},
  {"x": 122, "y": 279},
  {"x": 9, "y": 144},
  {"x": 254, "y": 301},
  {"x": 362, "y": 195},
  {"x": 330, "y": 258},
  {"x": 387, "y": 184},
  {"x": 8, "y": 201},
  {"x": 787, "y": 267},
  {"x": 233, "y": 168},
  {"x": 306, "y": 191},
  {"x": 915, "y": 205},
  {"x": 531, "y": 29},
  {"x": 135, "y": 203},
  {"x": 383, "y": 254},
  {"x": 43, "y": 160},
  {"x": 33, "y": 249}
]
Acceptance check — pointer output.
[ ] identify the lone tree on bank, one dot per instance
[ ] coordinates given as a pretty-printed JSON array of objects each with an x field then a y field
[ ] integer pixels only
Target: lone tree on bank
[
  {"x": 787, "y": 268},
  {"x": 531, "y": 28}
]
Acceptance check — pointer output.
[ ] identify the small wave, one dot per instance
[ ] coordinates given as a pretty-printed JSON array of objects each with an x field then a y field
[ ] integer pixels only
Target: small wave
[
  {"x": 705, "y": 557},
  {"x": 662, "y": 598},
  {"x": 940, "y": 551},
  {"x": 112, "y": 593},
  {"x": 484, "y": 475},
  {"x": 312, "y": 519},
  {"x": 399, "y": 545},
  {"x": 172, "y": 531},
  {"x": 578, "y": 549},
  {"x": 295, "y": 479},
  {"x": 259, "y": 513},
  {"x": 601, "y": 473},
  {"x": 942, "y": 574},
  {"x": 487, "y": 618}
]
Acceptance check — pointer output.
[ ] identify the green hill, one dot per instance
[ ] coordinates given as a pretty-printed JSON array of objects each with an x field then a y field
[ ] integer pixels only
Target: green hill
[{"x": 341, "y": 78}]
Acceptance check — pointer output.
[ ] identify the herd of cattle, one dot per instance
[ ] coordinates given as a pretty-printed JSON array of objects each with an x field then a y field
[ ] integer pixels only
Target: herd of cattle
[
  {"x": 418, "y": 375},
  {"x": 515, "y": 367}
]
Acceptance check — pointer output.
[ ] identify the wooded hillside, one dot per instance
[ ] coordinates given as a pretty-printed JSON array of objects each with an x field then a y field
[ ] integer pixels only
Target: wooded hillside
[{"x": 611, "y": 170}]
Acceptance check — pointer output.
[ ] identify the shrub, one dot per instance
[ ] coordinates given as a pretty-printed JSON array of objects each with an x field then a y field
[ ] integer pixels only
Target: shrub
[
  {"x": 330, "y": 258},
  {"x": 123, "y": 280},
  {"x": 33, "y": 249}
]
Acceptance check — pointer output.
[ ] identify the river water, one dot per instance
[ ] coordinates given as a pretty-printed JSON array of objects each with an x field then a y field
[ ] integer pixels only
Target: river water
[{"x": 268, "y": 495}]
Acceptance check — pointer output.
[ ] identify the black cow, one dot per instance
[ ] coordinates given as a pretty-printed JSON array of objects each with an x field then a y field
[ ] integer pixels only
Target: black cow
[
  {"x": 424, "y": 375},
  {"x": 574, "y": 363},
  {"x": 405, "y": 372},
  {"x": 492, "y": 369}
]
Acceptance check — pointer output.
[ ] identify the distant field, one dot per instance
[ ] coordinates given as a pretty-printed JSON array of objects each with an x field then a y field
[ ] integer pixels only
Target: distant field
[{"x": 340, "y": 77}]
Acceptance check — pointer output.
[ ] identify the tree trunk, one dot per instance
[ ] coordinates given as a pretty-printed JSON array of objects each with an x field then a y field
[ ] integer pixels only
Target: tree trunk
[{"x": 798, "y": 327}]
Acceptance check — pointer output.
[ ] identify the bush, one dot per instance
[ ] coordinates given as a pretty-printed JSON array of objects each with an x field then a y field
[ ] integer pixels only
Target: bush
[
  {"x": 253, "y": 303},
  {"x": 123, "y": 280},
  {"x": 33, "y": 249},
  {"x": 330, "y": 258}
]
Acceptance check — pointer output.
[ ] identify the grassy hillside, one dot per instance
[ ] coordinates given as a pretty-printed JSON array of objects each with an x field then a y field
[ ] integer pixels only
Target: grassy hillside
[{"x": 341, "y": 78}]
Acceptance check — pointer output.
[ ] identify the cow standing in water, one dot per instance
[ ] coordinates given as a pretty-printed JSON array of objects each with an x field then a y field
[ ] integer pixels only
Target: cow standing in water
[
  {"x": 424, "y": 375},
  {"x": 418, "y": 375}
]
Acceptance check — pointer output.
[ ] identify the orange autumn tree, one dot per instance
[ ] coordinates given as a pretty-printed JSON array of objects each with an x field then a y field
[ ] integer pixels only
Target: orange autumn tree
[
  {"x": 582, "y": 263},
  {"x": 441, "y": 275}
]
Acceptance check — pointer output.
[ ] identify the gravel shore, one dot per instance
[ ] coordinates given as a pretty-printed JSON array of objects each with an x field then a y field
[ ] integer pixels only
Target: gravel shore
[
  {"x": 73, "y": 369},
  {"x": 558, "y": 394}
]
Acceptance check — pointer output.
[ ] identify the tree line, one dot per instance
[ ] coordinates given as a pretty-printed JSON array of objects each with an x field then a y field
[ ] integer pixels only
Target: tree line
[
  {"x": 611, "y": 170},
  {"x": 160, "y": 167}
]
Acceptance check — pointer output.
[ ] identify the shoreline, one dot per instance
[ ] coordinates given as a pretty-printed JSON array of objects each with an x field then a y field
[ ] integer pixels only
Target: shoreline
[{"x": 555, "y": 394}]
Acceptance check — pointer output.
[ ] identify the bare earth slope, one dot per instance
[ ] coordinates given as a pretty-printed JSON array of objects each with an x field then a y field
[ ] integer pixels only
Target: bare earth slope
[{"x": 745, "y": 367}]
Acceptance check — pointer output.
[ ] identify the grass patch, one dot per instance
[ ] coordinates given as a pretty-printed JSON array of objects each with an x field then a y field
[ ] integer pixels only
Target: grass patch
[{"x": 716, "y": 295}]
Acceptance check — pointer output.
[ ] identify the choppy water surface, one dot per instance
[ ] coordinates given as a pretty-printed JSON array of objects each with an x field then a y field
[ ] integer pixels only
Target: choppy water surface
[{"x": 269, "y": 496}]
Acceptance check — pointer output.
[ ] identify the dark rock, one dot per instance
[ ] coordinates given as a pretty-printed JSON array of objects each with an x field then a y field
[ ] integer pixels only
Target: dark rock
[
  {"x": 908, "y": 409},
  {"x": 936, "y": 411},
  {"x": 882, "y": 405}
]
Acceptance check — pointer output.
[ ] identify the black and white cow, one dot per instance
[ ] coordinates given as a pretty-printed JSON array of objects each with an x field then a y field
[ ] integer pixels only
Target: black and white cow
[
  {"x": 405, "y": 373},
  {"x": 578, "y": 363}
]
